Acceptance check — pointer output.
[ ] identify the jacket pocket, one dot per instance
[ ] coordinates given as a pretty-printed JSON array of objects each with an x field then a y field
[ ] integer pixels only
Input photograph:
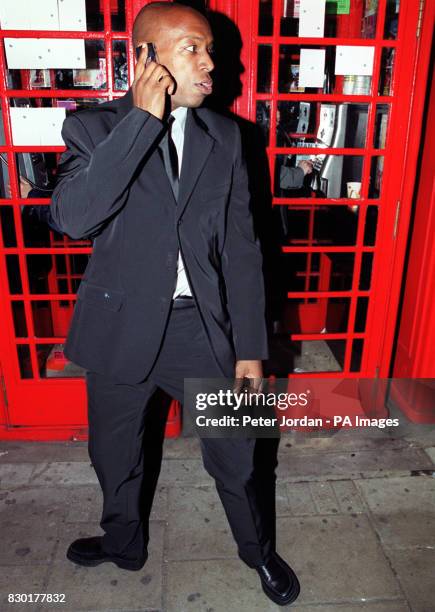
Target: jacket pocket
[{"x": 104, "y": 297}]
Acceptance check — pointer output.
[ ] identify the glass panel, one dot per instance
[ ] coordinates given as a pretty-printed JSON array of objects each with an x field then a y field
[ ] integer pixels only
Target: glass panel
[
  {"x": 120, "y": 72},
  {"x": 316, "y": 316},
  {"x": 316, "y": 356},
  {"x": 317, "y": 124},
  {"x": 40, "y": 229},
  {"x": 321, "y": 225},
  {"x": 8, "y": 226},
  {"x": 366, "y": 271},
  {"x": 369, "y": 18},
  {"x": 91, "y": 77},
  {"x": 264, "y": 68},
  {"x": 4, "y": 167},
  {"x": 355, "y": 85},
  {"x": 265, "y": 18},
  {"x": 50, "y": 274},
  {"x": 319, "y": 271},
  {"x": 376, "y": 173},
  {"x": 42, "y": 319},
  {"x": 330, "y": 178},
  {"x": 361, "y": 314},
  {"x": 386, "y": 73},
  {"x": 54, "y": 364},
  {"x": 19, "y": 317},
  {"x": 371, "y": 226},
  {"x": 263, "y": 119},
  {"x": 381, "y": 125},
  {"x": 23, "y": 353},
  {"x": 52, "y": 318},
  {"x": 289, "y": 59},
  {"x": 391, "y": 19},
  {"x": 117, "y": 16},
  {"x": 37, "y": 175},
  {"x": 94, "y": 16},
  {"x": 357, "y": 353},
  {"x": 14, "y": 275}
]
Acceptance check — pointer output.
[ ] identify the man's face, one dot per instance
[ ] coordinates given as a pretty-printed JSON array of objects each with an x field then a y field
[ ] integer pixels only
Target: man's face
[{"x": 183, "y": 44}]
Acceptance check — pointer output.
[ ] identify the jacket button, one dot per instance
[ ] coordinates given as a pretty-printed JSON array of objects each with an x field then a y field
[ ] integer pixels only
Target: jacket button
[{"x": 180, "y": 221}]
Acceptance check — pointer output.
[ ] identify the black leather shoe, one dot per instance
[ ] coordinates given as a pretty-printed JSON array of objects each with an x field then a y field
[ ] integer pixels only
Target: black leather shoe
[
  {"x": 88, "y": 551},
  {"x": 278, "y": 580}
]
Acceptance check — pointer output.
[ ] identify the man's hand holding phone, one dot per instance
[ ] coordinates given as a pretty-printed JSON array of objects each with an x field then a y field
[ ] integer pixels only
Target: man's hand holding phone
[{"x": 151, "y": 83}]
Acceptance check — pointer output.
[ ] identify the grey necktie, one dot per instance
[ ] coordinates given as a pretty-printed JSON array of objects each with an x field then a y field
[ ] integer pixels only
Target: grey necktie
[{"x": 170, "y": 157}]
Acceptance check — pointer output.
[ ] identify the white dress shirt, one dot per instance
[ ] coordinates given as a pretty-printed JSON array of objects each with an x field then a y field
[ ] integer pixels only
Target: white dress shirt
[{"x": 177, "y": 132}]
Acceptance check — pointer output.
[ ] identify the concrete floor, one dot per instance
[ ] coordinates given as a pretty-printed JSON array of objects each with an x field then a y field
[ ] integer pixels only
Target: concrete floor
[{"x": 356, "y": 520}]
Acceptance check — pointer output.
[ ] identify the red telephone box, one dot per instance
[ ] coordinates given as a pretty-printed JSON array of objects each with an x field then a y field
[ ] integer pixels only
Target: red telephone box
[{"x": 347, "y": 227}]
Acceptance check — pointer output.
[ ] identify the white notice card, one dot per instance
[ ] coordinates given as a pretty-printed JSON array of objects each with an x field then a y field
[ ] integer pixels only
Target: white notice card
[
  {"x": 14, "y": 15},
  {"x": 24, "y": 53},
  {"x": 72, "y": 15},
  {"x": 43, "y": 15},
  {"x": 312, "y": 68},
  {"x": 354, "y": 60},
  {"x": 312, "y": 18},
  {"x": 37, "y": 126},
  {"x": 51, "y": 121}
]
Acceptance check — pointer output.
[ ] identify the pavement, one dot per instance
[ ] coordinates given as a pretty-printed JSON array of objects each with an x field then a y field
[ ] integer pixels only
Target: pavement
[{"x": 355, "y": 520}]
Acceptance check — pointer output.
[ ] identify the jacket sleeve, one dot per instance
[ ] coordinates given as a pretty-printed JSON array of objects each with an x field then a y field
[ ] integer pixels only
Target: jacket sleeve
[
  {"x": 242, "y": 268},
  {"x": 291, "y": 178},
  {"x": 93, "y": 181}
]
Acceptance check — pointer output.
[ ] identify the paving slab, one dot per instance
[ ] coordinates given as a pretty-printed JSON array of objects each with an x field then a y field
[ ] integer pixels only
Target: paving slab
[
  {"x": 23, "y": 451},
  {"x": 64, "y": 473},
  {"x": 106, "y": 586},
  {"x": 230, "y": 586},
  {"x": 342, "y": 440},
  {"x": 351, "y": 464},
  {"x": 431, "y": 452},
  {"x": 403, "y": 510},
  {"x": 370, "y": 606},
  {"x": 415, "y": 572},
  {"x": 15, "y": 474},
  {"x": 28, "y": 542},
  {"x": 337, "y": 559},
  {"x": 18, "y": 580},
  {"x": 80, "y": 503},
  {"x": 223, "y": 585},
  {"x": 178, "y": 472},
  {"x": 312, "y": 498},
  {"x": 182, "y": 448},
  {"x": 197, "y": 525}
]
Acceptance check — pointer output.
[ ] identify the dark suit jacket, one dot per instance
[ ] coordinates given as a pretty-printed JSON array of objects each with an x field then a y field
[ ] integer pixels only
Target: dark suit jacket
[{"x": 112, "y": 186}]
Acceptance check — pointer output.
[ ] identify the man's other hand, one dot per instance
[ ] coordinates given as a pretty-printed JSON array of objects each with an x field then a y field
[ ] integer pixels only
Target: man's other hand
[
  {"x": 251, "y": 369},
  {"x": 151, "y": 82}
]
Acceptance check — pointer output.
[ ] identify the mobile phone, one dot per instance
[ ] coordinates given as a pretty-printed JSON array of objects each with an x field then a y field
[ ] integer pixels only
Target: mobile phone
[{"x": 152, "y": 55}]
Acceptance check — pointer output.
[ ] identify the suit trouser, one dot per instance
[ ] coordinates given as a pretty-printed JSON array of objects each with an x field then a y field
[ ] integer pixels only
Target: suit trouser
[{"x": 126, "y": 451}]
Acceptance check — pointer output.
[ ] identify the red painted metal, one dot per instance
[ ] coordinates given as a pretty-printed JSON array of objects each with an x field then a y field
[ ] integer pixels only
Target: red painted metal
[
  {"x": 48, "y": 408},
  {"x": 415, "y": 351}
]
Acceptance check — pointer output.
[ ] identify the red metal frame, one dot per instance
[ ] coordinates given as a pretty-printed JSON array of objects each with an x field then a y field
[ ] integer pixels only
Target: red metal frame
[{"x": 48, "y": 408}]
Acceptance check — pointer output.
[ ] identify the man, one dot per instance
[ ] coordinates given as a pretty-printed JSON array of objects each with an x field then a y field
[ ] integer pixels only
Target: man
[{"x": 174, "y": 286}]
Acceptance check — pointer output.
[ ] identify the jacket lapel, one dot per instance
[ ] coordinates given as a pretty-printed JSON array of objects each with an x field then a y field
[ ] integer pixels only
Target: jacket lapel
[
  {"x": 198, "y": 144},
  {"x": 155, "y": 162}
]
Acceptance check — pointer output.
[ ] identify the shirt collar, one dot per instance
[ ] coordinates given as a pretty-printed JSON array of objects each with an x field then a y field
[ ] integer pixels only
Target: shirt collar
[{"x": 180, "y": 115}]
